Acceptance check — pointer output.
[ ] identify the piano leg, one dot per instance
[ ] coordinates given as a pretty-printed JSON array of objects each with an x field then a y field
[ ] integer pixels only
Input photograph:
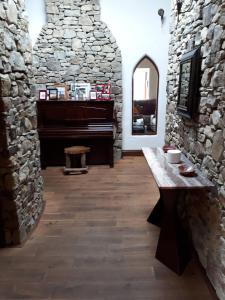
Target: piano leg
[{"x": 111, "y": 158}]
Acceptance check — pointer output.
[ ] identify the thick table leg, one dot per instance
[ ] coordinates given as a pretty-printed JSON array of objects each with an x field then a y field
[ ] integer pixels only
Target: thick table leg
[
  {"x": 173, "y": 246},
  {"x": 156, "y": 214}
]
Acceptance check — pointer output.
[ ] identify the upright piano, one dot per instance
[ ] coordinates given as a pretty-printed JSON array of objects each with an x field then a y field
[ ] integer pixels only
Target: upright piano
[{"x": 63, "y": 124}]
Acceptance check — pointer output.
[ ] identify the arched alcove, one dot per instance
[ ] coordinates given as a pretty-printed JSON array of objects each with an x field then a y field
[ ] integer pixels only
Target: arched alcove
[{"x": 145, "y": 83}]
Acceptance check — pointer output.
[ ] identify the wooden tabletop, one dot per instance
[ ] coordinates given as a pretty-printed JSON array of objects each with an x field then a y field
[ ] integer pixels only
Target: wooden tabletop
[{"x": 167, "y": 175}]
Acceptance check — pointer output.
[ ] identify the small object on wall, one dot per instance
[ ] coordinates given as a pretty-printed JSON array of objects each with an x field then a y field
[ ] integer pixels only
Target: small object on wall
[
  {"x": 42, "y": 94},
  {"x": 161, "y": 13}
]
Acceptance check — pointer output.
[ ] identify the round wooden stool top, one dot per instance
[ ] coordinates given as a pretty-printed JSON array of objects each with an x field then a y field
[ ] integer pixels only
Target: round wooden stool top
[{"x": 76, "y": 150}]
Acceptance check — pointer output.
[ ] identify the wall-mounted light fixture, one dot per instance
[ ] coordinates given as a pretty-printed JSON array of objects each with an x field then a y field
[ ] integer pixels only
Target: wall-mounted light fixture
[
  {"x": 161, "y": 13},
  {"x": 180, "y": 4}
]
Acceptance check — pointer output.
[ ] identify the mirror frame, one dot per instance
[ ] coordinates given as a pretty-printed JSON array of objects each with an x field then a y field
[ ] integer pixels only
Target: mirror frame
[
  {"x": 193, "y": 58},
  {"x": 135, "y": 67}
]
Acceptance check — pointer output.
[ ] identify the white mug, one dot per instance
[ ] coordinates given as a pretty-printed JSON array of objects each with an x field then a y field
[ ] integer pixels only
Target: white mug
[{"x": 174, "y": 156}]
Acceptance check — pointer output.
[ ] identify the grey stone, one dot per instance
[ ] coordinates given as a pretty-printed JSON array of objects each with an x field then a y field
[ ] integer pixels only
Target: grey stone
[
  {"x": 58, "y": 33},
  {"x": 208, "y": 146},
  {"x": 71, "y": 13},
  {"x": 87, "y": 7},
  {"x": 217, "y": 79},
  {"x": 69, "y": 33},
  {"x": 60, "y": 55},
  {"x": 53, "y": 64},
  {"x": 85, "y": 21},
  {"x": 23, "y": 174},
  {"x": 24, "y": 44},
  {"x": 222, "y": 19},
  {"x": 6, "y": 85},
  {"x": 9, "y": 41},
  {"x": 217, "y": 146},
  {"x": 216, "y": 117},
  {"x": 12, "y": 13},
  {"x": 96, "y": 48},
  {"x": 207, "y": 15},
  {"x": 2, "y": 12},
  {"x": 212, "y": 101},
  {"x": 52, "y": 9},
  {"x": 99, "y": 34},
  {"x": 217, "y": 39},
  {"x": 204, "y": 34},
  {"x": 17, "y": 62},
  {"x": 107, "y": 49},
  {"x": 76, "y": 44},
  {"x": 73, "y": 70}
]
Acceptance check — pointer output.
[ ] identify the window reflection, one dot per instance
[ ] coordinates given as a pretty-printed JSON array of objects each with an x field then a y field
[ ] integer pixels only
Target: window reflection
[{"x": 145, "y": 98}]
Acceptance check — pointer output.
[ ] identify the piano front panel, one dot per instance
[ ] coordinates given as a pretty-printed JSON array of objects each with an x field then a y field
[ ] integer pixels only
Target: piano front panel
[{"x": 68, "y": 123}]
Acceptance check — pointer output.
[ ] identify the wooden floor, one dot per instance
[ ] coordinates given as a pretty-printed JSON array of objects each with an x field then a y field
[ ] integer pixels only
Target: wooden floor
[{"x": 93, "y": 242}]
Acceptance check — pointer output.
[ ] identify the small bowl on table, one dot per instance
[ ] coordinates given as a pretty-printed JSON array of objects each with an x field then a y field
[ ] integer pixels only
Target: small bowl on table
[{"x": 188, "y": 171}]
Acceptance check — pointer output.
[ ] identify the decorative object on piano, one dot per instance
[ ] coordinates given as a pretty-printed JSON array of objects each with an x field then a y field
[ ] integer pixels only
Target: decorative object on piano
[
  {"x": 82, "y": 91},
  {"x": 99, "y": 96},
  {"x": 52, "y": 94},
  {"x": 105, "y": 97},
  {"x": 62, "y": 93},
  {"x": 72, "y": 88},
  {"x": 93, "y": 94},
  {"x": 103, "y": 91},
  {"x": 42, "y": 94},
  {"x": 107, "y": 88}
]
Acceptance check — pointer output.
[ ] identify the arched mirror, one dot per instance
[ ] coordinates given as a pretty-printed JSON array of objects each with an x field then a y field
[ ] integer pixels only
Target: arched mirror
[{"x": 145, "y": 97}]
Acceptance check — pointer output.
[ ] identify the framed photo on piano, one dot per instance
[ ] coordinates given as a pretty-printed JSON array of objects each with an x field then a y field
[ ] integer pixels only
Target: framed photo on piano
[
  {"x": 62, "y": 92},
  {"x": 52, "y": 94},
  {"x": 82, "y": 91},
  {"x": 42, "y": 94}
]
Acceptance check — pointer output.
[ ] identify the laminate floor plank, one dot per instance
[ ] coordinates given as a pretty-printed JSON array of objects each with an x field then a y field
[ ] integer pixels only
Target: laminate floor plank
[{"x": 93, "y": 242}]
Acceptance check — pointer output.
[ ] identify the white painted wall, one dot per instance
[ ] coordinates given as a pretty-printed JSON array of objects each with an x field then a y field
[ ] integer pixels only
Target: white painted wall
[
  {"x": 138, "y": 30},
  {"x": 36, "y": 16}
]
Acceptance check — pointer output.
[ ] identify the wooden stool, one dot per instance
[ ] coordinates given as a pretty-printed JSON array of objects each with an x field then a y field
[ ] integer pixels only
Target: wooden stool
[{"x": 81, "y": 150}]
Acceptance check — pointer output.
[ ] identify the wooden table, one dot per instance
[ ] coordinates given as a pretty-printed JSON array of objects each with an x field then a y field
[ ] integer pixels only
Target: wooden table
[{"x": 173, "y": 247}]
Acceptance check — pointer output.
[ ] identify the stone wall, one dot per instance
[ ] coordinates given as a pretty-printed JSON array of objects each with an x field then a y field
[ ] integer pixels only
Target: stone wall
[
  {"x": 20, "y": 179},
  {"x": 202, "y": 140},
  {"x": 76, "y": 46}
]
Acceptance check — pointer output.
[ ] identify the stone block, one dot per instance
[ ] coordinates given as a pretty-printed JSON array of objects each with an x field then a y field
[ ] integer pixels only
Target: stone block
[
  {"x": 12, "y": 13},
  {"x": 16, "y": 60}
]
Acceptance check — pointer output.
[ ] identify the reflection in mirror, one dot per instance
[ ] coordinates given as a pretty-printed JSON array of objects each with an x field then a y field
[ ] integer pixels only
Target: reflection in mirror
[{"x": 145, "y": 97}]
